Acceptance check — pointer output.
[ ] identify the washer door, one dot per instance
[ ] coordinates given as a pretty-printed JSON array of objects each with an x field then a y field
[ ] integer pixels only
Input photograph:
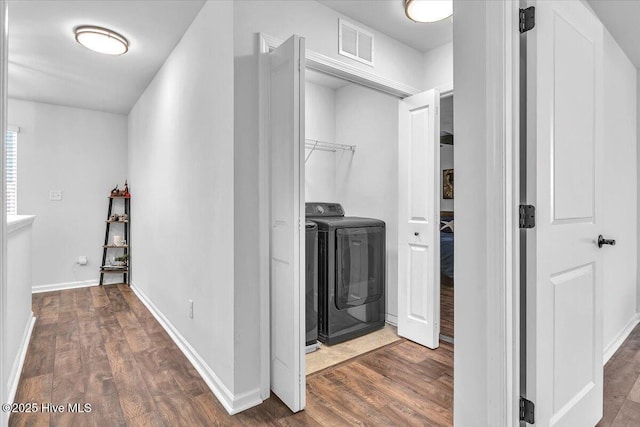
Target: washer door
[{"x": 360, "y": 266}]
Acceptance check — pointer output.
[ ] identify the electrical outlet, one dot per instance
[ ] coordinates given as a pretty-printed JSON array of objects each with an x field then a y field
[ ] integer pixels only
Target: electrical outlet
[
  {"x": 55, "y": 195},
  {"x": 191, "y": 309}
]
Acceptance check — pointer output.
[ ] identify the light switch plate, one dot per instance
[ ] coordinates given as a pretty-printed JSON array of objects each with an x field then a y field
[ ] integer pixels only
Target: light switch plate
[{"x": 55, "y": 195}]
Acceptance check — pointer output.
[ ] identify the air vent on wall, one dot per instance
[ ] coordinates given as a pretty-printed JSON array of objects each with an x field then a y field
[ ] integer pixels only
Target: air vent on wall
[{"x": 355, "y": 42}]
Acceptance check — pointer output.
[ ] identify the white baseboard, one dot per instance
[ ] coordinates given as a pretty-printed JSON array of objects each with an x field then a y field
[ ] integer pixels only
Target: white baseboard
[
  {"x": 232, "y": 403},
  {"x": 16, "y": 369},
  {"x": 615, "y": 344},
  {"x": 391, "y": 319},
  {"x": 62, "y": 286}
]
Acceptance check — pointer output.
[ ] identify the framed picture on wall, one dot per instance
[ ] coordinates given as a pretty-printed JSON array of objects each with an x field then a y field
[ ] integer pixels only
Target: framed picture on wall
[{"x": 447, "y": 183}]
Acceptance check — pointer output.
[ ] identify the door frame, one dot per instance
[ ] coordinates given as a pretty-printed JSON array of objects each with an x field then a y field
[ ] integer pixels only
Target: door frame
[
  {"x": 503, "y": 195},
  {"x": 4, "y": 61}
]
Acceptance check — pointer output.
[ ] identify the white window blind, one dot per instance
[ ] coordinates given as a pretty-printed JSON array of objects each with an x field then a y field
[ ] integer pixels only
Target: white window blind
[{"x": 11, "y": 144}]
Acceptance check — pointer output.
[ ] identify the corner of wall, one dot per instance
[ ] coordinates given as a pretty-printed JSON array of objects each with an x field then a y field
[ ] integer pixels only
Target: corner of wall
[
  {"x": 438, "y": 66},
  {"x": 638, "y": 187}
]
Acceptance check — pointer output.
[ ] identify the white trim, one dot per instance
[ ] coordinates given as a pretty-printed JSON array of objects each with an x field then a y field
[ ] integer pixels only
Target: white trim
[
  {"x": 391, "y": 319},
  {"x": 264, "y": 184},
  {"x": 502, "y": 194},
  {"x": 232, "y": 403},
  {"x": 18, "y": 363},
  {"x": 325, "y": 64},
  {"x": 619, "y": 339},
  {"x": 36, "y": 289},
  {"x": 13, "y": 128}
]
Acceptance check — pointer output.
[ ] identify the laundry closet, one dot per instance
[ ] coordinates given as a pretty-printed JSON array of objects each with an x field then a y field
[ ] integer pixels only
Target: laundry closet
[
  {"x": 351, "y": 181},
  {"x": 351, "y": 191}
]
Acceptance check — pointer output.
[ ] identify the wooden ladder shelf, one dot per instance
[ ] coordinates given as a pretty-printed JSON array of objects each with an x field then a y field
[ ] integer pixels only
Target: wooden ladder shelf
[{"x": 111, "y": 246}]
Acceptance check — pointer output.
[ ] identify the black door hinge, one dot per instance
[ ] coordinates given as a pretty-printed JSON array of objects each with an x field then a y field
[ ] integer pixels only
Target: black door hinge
[
  {"x": 527, "y": 411},
  {"x": 527, "y": 19},
  {"x": 527, "y": 216}
]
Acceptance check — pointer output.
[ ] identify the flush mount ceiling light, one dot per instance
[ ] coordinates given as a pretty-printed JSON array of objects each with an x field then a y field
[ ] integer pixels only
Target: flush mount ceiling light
[
  {"x": 101, "y": 40},
  {"x": 428, "y": 10}
]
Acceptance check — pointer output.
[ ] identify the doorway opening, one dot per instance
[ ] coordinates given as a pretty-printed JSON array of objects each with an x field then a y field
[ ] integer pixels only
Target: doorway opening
[
  {"x": 413, "y": 125},
  {"x": 351, "y": 165},
  {"x": 351, "y": 193},
  {"x": 447, "y": 218}
]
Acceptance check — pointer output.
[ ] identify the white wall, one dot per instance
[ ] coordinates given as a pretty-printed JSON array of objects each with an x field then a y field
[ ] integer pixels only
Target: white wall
[
  {"x": 320, "y": 124},
  {"x": 19, "y": 249},
  {"x": 182, "y": 179},
  {"x": 446, "y": 162},
  {"x": 620, "y": 190},
  {"x": 438, "y": 67},
  {"x": 84, "y": 154},
  {"x": 319, "y": 25},
  {"x": 367, "y": 180},
  {"x": 471, "y": 352}
]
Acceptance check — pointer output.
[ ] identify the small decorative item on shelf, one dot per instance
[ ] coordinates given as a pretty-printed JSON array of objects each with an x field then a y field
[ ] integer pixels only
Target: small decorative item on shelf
[
  {"x": 121, "y": 193},
  {"x": 123, "y": 217},
  {"x": 125, "y": 192},
  {"x": 114, "y": 217},
  {"x": 121, "y": 261}
]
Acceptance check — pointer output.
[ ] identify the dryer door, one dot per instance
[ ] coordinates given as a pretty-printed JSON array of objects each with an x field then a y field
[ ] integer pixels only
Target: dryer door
[{"x": 360, "y": 266}]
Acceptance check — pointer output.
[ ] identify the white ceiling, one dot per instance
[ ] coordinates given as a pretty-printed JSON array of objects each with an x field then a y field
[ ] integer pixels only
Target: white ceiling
[
  {"x": 387, "y": 16},
  {"x": 47, "y": 65},
  {"x": 621, "y": 19}
]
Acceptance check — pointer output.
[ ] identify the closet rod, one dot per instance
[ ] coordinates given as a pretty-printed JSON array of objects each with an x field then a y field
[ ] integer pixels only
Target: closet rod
[{"x": 332, "y": 146}]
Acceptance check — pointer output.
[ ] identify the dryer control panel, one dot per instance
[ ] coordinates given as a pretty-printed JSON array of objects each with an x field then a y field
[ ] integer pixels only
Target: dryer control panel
[{"x": 323, "y": 209}]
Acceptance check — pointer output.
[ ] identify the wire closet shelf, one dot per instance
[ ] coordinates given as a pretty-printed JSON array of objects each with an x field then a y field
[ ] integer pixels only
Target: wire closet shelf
[{"x": 332, "y": 147}]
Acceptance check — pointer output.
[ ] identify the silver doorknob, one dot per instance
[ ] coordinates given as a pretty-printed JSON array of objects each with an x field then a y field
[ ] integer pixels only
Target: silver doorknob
[{"x": 602, "y": 241}]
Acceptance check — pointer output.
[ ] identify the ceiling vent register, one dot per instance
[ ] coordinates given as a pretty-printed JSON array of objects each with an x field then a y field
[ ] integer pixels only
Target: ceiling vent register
[{"x": 355, "y": 42}]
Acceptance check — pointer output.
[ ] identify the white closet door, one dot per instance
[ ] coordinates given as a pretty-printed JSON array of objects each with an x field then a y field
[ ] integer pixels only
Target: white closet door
[
  {"x": 419, "y": 217},
  {"x": 287, "y": 222}
]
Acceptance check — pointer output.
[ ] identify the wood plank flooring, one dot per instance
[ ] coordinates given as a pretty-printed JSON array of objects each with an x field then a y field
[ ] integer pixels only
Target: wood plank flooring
[
  {"x": 622, "y": 385},
  {"x": 101, "y": 346},
  {"x": 446, "y": 309}
]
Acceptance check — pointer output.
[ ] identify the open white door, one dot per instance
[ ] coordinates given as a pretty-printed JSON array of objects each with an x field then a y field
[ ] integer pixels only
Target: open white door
[
  {"x": 564, "y": 175},
  {"x": 286, "y": 103},
  {"x": 419, "y": 218}
]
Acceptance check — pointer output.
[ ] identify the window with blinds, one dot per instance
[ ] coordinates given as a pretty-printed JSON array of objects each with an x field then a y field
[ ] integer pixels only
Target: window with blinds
[{"x": 11, "y": 144}]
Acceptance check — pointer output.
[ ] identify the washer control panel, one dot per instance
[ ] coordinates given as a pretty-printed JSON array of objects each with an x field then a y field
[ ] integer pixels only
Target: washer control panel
[{"x": 323, "y": 209}]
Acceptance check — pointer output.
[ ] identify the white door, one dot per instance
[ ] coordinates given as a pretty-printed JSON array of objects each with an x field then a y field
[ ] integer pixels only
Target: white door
[
  {"x": 286, "y": 109},
  {"x": 564, "y": 267},
  {"x": 419, "y": 219}
]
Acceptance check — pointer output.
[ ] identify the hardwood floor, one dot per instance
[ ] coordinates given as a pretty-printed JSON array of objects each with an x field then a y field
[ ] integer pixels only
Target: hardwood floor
[
  {"x": 101, "y": 346},
  {"x": 622, "y": 385},
  {"x": 446, "y": 309}
]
